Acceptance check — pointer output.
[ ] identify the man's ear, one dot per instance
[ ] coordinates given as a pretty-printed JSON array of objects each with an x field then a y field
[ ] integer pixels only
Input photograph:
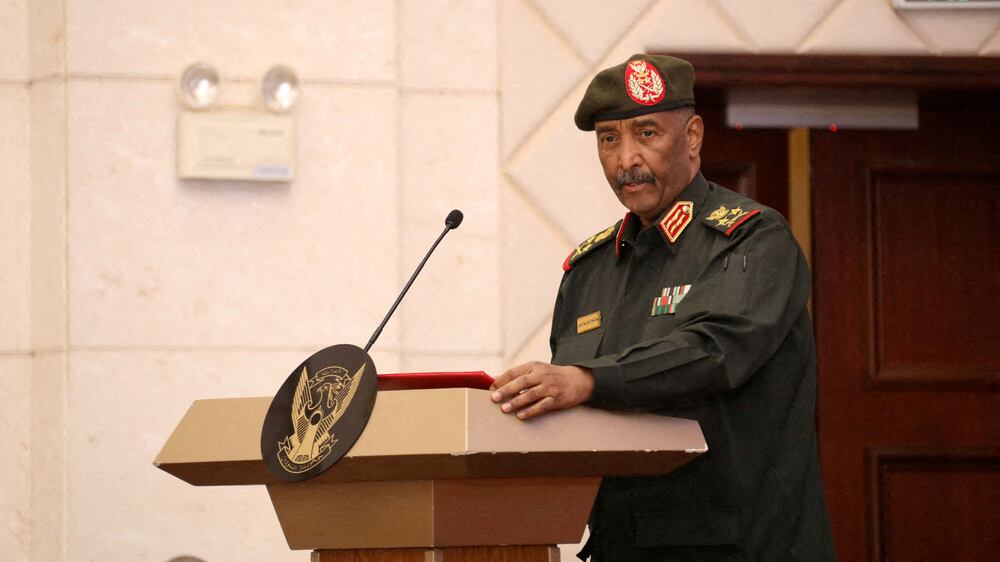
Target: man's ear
[{"x": 695, "y": 134}]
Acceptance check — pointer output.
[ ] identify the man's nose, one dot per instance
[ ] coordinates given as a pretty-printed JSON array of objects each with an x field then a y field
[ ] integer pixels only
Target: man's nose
[{"x": 630, "y": 156}]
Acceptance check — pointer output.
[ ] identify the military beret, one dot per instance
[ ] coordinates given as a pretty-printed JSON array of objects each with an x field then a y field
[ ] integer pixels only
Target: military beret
[{"x": 642, "y": 84}]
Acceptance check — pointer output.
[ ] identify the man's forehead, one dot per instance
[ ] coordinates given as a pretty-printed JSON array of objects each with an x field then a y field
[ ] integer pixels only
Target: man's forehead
[{"x": 660, "y": 118}]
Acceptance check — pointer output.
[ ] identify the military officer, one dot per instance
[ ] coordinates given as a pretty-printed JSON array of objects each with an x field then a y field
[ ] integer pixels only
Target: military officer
[{"x": 693, "y": 305}]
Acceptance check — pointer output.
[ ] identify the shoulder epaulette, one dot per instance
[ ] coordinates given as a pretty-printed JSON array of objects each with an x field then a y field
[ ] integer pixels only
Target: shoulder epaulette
[
  {"x": 589, "y": 244},
  {"x": 726, "y": 219}
]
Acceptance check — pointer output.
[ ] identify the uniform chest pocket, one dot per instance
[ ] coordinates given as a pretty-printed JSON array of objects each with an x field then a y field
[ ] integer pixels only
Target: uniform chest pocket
[{"x": 580, "y": 347}]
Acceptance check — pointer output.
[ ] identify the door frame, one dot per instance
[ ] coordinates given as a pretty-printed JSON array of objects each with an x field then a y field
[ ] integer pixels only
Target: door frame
[{"x": 845, "y": 71}]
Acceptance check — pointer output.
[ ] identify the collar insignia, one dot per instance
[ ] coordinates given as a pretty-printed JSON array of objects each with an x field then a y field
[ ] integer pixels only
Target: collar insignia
[
  {"x": 621, "y": 232},
  {"x": 674, "y": 223},
  {"x": 668, "y": 300}
]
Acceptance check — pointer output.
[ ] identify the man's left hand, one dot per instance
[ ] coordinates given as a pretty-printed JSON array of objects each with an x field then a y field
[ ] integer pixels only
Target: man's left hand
[{"x": 534, "y": 388}]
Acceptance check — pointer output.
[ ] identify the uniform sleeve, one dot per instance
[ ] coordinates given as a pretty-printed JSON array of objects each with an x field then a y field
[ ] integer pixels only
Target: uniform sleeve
[
  {"x": 556, "y": 318},
  {"x": 730, "y": 323}
]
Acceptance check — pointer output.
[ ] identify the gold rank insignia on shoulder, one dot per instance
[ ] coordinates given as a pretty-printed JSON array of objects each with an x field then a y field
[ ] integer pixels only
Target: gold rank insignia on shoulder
[
  {"x": 668, "y": 300},
  {"x": 588, "y": 322},
  {"x": 727, "y": 220},
  {"x": 588, "y": 245}
]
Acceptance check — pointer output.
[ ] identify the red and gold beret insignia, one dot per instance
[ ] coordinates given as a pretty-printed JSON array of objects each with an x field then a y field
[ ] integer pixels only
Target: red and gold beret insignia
[{"x": 644, "y": 83}]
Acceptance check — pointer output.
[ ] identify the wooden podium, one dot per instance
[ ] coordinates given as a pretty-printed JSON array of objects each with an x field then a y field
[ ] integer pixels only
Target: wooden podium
[{"x": 437, "y": 475}]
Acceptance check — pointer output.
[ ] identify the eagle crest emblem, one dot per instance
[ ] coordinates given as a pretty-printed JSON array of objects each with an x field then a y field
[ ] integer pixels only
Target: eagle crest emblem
[
  {"x": 318, "y": 413},
  {"x": 319, "y": 401},
  {"x": 644, "y": 83}
]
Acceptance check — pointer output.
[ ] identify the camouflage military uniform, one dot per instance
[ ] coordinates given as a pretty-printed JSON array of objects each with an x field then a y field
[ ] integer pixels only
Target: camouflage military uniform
[{"x": 703, "y": 316}]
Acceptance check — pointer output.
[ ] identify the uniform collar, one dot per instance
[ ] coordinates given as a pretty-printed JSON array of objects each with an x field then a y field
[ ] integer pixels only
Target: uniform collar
[
  {"x": 673, "y": 221},
  {"x": 627, "y": 232}
]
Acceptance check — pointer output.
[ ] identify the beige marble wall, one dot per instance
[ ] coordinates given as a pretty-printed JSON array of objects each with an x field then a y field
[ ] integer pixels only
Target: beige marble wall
[
  {"x": 15, "y": 218},
  {"x": 128, "y": 293},
  {"x": 15, "y": 474},
  {"x": 49, "y": 310},
  {"x": 159, "y": 291},
  {"x": 15, "y": 283}
]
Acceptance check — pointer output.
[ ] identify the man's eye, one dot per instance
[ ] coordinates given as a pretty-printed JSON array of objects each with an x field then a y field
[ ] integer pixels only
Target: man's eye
[
  {"x": 606, "y": 139},
  {"x": 646, "y": 134}
]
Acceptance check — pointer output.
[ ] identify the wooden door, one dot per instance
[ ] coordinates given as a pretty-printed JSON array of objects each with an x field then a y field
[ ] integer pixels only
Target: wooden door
[{"x": 906, "y": 231}]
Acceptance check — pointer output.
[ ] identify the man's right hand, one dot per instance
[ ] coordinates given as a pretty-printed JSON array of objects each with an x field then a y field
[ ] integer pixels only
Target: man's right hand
[{"x": 535, "y": 388}]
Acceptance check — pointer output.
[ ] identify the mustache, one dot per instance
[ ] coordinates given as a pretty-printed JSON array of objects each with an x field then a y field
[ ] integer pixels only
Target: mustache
[{"x": 634, "y": 175}]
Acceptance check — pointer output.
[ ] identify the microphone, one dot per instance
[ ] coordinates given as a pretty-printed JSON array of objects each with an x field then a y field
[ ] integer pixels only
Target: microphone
[{"x": 453, "y": 220}]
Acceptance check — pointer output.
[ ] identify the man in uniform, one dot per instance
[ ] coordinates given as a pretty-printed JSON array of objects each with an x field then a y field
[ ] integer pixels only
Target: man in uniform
[{"x": 694, "y": 306}]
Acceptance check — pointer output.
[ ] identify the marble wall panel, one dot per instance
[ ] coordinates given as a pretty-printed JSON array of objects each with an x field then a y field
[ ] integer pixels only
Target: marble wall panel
[
  {"x": 992, "y": 46},
  {"x": 776, "y": 26},
  {"x": 47, "y": 38},
  {"x": 533, "y": 254},
  {"x": 48, "y": 455},
  {"x": 15, "y": 471},
  {"x": 562, "y": 177},
  {"x": 953, "y": 32},
  {"x": 537, "y": 68},
  {"x": 592, "y": 26},
  {"x": 321, "y": 40},
  {"x": 122, "y": 407},
  {"x": 48, "y": 214},
  {"x": 448, "y": 44},
  {"x": 13, "y": 40},
  {"x": 15, "y": 219},
  {"x": 863, "y": 26},
  {"x": 679, "y": 26},
  {"x": 534, "y": 348},
  {"x": 433, "y": 362},
  {"x": 454, "y": 306},
  {"x": 200, "y": 263},
  {"x": 448, "y": 159}
]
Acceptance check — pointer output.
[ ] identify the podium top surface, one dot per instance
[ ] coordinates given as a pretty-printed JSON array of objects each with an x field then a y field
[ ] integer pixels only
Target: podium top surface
[{"x": 438, "y": 434}]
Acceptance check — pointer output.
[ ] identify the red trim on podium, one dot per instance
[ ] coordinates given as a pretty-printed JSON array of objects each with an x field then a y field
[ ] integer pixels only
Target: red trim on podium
[{"x": 419, "y": 381}]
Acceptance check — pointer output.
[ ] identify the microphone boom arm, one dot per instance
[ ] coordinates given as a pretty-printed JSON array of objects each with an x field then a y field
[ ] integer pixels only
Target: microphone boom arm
[{"x": 453, "y": 220}]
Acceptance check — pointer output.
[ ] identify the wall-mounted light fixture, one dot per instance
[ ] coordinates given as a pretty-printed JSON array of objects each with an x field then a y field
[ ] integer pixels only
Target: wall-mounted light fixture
[
  {"x": 236, "y": 143},
  {"x": 279, "y": 89},
  {"x": 198, "y": 87}
]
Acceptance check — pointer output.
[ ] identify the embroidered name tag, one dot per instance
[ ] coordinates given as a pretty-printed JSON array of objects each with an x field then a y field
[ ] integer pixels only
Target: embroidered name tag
[
  {"x": 668, "y": 300},
  {"x": 589, "y": 322}
]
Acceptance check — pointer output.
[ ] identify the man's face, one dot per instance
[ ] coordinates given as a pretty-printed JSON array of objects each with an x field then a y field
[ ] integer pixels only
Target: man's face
[{"x": 650, "y": 159}]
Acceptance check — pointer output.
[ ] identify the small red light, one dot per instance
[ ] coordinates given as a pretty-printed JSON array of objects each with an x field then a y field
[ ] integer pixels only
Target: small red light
[
  {"x": 834, "y": 128},
  {"x": 739, "y": 126}
]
